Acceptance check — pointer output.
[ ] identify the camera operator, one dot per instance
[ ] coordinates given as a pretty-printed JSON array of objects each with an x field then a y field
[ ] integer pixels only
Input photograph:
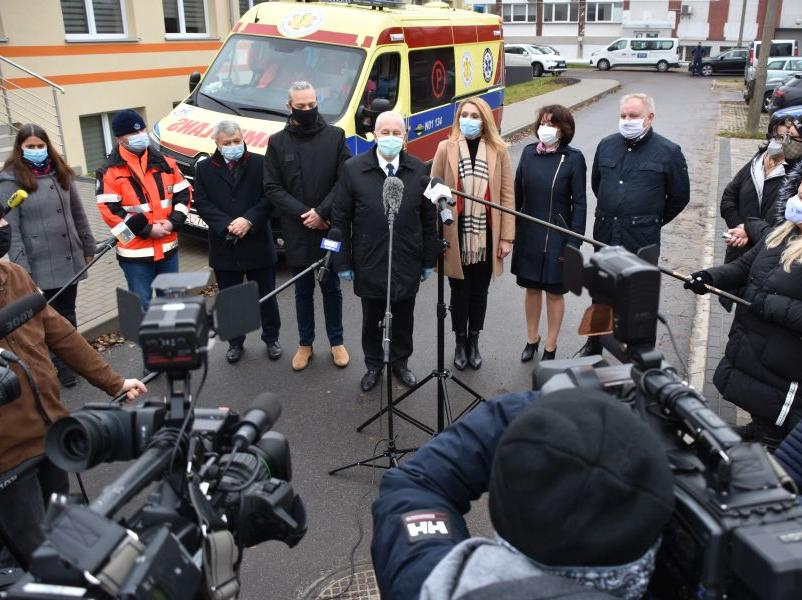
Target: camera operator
[
  {"x": 27, "y": 478},
  {"x": 579, "y": 493},
  {"x": 760, "y": 368}
]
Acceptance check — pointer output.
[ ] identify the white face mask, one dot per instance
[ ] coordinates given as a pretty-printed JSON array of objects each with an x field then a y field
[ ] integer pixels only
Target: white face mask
[
  {"x": 775, "y": 147},
  {"x": 631, "y": 128},
  {"x": 793, "y": 210},
  {"x": 548, "y": 135}
]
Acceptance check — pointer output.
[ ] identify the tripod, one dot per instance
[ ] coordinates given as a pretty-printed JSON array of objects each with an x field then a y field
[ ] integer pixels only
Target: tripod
[
  {"x": 100, "y": 250},
  {"x": 392, "y": 453},
  {"x": 441, "y": 375}
]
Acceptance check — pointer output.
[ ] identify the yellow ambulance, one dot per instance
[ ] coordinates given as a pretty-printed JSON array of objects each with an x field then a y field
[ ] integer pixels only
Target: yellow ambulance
[{"x": 361, "y": 56}]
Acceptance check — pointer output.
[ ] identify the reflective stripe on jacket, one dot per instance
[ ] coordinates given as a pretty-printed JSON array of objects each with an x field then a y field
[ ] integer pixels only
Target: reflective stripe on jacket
[{"x": 133, "y": 192}]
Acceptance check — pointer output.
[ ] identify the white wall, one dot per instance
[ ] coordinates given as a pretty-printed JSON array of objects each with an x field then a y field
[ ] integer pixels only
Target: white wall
[
  {"x": 612, "y": 30},
  {"x": 560, "y": 29},
  {"x": 791, "y": 16}
]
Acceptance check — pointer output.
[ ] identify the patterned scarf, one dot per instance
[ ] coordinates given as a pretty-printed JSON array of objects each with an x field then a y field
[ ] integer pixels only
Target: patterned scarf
[
  {"x": 39, "y": 169},
  {"x": 544, "y": 149},
  {"x": 627, "y": 581},
  {"x": 473, "y": 223}
]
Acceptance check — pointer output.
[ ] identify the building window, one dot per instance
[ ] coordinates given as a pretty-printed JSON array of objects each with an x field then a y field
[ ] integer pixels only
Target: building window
[
  {"x": 93, "y": 19},
  {"x": 604, "y": 12},
  {"x": 185, "y": 18},
  {"x": 560, "y": 12},
  {"x": 518, "y": 13},
  {"x": 246, "y": 5}
]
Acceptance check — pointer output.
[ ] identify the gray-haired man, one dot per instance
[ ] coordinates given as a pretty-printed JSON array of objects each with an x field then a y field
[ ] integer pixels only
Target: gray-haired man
[
  {"x": 301, "y": 169},
  {"x": 228, "y": 196}
]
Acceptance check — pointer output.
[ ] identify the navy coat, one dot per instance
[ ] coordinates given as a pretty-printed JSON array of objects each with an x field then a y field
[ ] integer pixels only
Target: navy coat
[
  {"x": 437, "y": 478},
  {"x": 537, "y": 251},
  {"x": 640, "y": 187},
  {"x": 220, "y": 197},
  {"x": 359, "y": 214}
]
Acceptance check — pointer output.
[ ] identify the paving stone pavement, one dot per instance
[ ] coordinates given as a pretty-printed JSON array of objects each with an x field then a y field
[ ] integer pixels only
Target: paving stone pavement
[
  {"x": 733, "y": 115},
  {"x": 97, "y": 299}
]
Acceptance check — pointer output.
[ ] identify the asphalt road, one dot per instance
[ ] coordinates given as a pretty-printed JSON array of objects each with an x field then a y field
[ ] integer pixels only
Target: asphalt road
[{"x": 322, "y": 405}]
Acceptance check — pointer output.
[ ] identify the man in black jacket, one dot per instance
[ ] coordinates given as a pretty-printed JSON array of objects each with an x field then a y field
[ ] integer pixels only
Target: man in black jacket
[
  {"x": 301, "y": 168},
  {"x": 228, "y": 196},
  {"x": 640, "y": 180},
  {"x": 359, "y": 213}
]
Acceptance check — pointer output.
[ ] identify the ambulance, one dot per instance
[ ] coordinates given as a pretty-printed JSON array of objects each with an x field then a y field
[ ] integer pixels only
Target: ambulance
[{"x": 362, "y": 57}]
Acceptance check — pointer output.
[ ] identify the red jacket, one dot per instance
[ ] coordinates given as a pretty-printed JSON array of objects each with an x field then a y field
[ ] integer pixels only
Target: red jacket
[{"x": 133, "y": 192}]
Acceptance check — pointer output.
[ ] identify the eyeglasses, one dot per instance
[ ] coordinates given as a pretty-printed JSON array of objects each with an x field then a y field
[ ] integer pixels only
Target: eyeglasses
[{"x": 791, "y": 138}]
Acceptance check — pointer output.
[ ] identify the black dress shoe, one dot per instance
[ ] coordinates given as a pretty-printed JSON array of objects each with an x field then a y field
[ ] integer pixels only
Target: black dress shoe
[
  {"x": 592, "y": 347},
  {"x": 406, "y": 376},
  {"x": 474, "y": 358},
  {"x": 529, "y": 351},
  {"x": 274, "y": 350},
  {"x": 233, "y": 354},
  {"x": 549, "y": 354},
  {"x": 460, "y": 358},
  {"x": 66, "y": 376},
  {"x": 370, "y": 379}
]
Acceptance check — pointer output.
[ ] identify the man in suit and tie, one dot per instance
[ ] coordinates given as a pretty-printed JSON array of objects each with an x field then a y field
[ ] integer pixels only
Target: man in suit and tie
[{"x": 228, "y": 196}]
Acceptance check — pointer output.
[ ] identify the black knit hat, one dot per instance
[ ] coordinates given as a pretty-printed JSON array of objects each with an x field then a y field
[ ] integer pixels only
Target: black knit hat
[
  {"x": 579, "y": 480},
  {"x": 127, "y": 121}
]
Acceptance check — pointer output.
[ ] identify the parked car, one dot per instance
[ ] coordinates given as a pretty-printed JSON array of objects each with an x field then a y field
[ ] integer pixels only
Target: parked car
[
  {"x": 732, "y": 61},
  {"x": 660, "y": 53},
  {"x": 788, "y": 94},
  {"x": 778, "y": 48},
  {"x": 525, "y": 55}
]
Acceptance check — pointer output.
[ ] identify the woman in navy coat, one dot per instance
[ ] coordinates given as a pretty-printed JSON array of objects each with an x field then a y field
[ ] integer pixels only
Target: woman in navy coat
[{"x": 549, "y": 185}]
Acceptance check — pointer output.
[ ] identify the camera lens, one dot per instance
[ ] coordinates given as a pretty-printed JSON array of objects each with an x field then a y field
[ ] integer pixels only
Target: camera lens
[{"x": 89, "y": 437}]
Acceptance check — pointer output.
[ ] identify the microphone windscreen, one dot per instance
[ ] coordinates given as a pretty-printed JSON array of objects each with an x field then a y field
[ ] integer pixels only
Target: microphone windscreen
[
  {"x": 20, "y": 312},
  {"x": 268, "y": 403},
  {"x": 392, "y": 193},
  {"x": 335, "y": 234},
  {"x": 17, "y": 198}
]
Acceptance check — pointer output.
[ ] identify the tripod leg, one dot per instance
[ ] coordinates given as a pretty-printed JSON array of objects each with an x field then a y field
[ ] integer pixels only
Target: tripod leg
[{"x": 381, "y": 413}]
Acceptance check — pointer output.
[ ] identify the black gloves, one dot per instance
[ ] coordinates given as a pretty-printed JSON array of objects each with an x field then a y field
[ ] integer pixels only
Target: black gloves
[
  {"x": 757, "y": 306},
  {"x": 698, "y": 281}
]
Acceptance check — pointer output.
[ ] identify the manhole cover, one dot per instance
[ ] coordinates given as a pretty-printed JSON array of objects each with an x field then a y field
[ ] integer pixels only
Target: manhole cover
[{"x": 345, "y": 585}]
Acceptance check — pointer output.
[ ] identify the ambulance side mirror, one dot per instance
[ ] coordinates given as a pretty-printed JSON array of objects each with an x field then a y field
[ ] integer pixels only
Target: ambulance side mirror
[{"x": 194, "y": 80}]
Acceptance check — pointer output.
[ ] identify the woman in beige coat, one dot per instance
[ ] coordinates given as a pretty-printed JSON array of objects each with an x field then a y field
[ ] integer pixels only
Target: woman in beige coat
[{"x": 474, "y": 160}]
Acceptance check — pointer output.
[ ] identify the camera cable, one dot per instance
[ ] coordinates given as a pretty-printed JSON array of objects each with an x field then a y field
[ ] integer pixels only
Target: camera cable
[{"x": 681, "y": 360}]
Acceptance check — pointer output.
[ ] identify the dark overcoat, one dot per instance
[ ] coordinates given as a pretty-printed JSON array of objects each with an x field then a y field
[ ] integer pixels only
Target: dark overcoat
[
  {"x": 359, "y": 214},
  {"x": 222, "y": 195},
  {"x": 550, "y": 187},
  {"x": 301, "y": 168},
  {"x": 639, "y": 186}
]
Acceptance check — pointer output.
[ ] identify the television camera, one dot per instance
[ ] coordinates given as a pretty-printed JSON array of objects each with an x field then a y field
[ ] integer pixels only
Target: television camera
[
  {"x": 221, "y": 479},
  {"x": 736, "y": 531}
]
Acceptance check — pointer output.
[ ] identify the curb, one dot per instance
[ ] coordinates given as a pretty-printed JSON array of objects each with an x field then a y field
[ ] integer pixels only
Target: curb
[{"x": 573, "y": 107}]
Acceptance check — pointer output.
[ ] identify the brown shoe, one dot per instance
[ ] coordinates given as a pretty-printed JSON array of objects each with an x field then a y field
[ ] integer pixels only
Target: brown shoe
[
  {"x": 340, "y": 356},
  {"x": 302, "y": 357}
]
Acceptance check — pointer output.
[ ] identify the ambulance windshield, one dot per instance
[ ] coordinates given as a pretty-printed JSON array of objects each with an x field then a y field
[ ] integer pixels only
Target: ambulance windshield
[{"x": 252, "y": 75}]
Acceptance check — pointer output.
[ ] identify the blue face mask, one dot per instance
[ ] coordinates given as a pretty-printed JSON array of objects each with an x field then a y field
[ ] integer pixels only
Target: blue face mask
[
  {"x": 35, "y": 155},
  {"x": 470, "y": 128},
  {"x": 390, "y": 146},
  {"x": 137, "y": 142},
  {"x": 233, "y": 152}
]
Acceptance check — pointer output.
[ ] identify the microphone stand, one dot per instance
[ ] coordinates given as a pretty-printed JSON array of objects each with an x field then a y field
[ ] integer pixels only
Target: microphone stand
[
  {"x": 392, "y": 453},
  {"x": 595, "y": 243},
  {"x": 292, "y": 280},
  {"x": 441, "y": 374},
  {"x": 100, "y": 250}
]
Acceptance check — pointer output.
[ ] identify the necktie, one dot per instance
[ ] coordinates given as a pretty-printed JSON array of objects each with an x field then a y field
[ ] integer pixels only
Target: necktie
[
  {"x": 390, "y": 170},
  {"x": 231, "y": 165}
]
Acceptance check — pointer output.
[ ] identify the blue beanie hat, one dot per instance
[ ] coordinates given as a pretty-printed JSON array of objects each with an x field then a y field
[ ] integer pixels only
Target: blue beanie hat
[{"x": 127, "y": 121}]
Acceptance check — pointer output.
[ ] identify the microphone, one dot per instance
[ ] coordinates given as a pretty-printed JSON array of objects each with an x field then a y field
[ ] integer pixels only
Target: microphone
[
  {"x": 392, "y": 193},
  {"x": 260, "y": 417},
  {"x": 15, "y": 200},
  {"x": 331, "y": 243},
  {"x": 19, "y": 312},
  {"x": 110, "y": 242},
  {"x": 440, "y": 194}
]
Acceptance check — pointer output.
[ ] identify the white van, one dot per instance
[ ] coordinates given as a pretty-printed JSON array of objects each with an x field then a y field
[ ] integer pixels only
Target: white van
[{"x": 660, "y": 53}]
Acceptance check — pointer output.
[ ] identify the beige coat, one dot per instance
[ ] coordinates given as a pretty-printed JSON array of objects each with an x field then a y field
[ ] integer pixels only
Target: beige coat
[{"x": 501, "y": 192}]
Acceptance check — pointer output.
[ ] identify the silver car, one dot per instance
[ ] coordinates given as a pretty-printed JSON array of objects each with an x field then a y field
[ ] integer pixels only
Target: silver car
[
  {"x": 778, "y": 70},
  {"x": 520, "y": 55}
]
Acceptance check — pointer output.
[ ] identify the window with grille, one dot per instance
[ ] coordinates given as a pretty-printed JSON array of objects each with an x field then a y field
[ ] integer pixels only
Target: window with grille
[
  {"x": 246, "y": 5},
  {"x": 94, "y": 19},
  {"x": 185, "y": 18}
]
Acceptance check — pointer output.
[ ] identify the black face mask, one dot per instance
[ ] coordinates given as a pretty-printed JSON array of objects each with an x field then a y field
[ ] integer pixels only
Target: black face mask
[
  {"x": 305, "y": 118},
  {"x": 5, "y": 240}
]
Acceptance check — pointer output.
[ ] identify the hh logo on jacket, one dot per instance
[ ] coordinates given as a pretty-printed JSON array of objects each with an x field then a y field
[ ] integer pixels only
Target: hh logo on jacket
[{"x": 426, "y": 525}]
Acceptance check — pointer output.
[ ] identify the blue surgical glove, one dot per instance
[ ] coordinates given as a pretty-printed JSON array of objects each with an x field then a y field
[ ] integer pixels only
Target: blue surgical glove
[
  {"x": 346, "y": 275},
  {"x": 425, "y": 274}
]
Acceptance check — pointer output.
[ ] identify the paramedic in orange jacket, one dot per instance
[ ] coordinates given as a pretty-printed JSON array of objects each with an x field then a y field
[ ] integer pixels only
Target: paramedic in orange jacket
[{"x": 144, "y": 199}]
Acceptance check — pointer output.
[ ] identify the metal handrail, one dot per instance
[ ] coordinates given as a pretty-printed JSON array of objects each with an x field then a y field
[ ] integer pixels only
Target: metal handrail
[
  {"x": 30, "y": 106},
  {"x": 13, "y": 87},
  {"x": 32, "y": 74},
  {"x": 38, "y": 114}
]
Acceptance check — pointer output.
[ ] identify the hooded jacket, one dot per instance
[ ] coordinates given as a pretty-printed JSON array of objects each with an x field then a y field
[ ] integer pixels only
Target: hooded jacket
[
  {"x": 789, "y": 188},
  {"x": 301, "y": 170}
]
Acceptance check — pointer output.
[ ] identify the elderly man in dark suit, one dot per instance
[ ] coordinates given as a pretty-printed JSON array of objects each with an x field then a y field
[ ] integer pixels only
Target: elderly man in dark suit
[{"x": 229, "y": 197}]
